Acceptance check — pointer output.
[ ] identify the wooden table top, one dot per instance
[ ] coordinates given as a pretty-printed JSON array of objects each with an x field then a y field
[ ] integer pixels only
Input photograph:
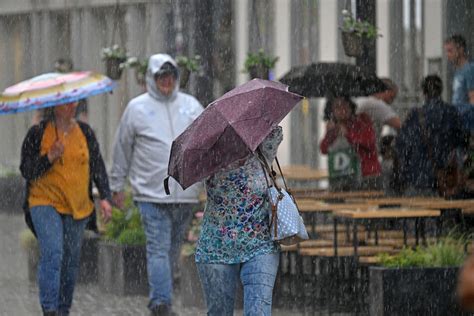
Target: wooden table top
[
  {"x": 310, "y": 205},
  {"x": 387, "y": 213},
  {"x": 430, "y": 202},
  {"x": 319, "y": 194},
  {"x": 304, "y": 172}
]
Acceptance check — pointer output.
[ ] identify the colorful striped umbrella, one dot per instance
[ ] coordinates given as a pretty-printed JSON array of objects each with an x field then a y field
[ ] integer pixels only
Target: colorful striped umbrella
[{"x": 52, "y": 89}]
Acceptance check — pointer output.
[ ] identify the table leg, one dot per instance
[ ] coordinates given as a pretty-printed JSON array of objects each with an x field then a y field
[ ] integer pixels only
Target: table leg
[
  {"x": 354, "y": 238},
  {"x": 348, "y": 232},
  {"x": 376, "y": 234},
  {"x": 313, "y": 225},
  {"x": 439, "y": 227},
  {"x": 404, "y": 228},
  {"x": 417, "y": 236},
  {"x": 422, "y": 231},
  {"x": 335, "y": 235}
]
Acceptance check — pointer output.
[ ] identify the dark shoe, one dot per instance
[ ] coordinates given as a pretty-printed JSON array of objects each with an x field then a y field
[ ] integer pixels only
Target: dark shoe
[
  {"x": 162, "y": 310},
  {"x": 50, "y": 313}
]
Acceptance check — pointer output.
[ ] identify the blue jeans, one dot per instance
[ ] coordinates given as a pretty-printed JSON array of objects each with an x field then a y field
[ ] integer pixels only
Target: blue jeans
[
  {"x": 165, "y": 226},
  {"x": 257, "y": 276},
  {"x": 60, "y": 240}
]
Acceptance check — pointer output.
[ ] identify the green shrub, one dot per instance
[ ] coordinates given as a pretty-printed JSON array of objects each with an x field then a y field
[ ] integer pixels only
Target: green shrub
[
  {"x": 448, "y": 252},
  {"x": 132, "y": 236},
  {"x": 125, "y": 227}
]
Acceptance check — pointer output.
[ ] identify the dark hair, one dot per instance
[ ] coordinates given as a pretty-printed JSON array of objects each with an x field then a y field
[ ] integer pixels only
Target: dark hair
[
  {"x": 387, "y": 143},
  {"x": 432, "y": 86},
  {"x": 458, "y": 40},
  {"x": 329, "y": 104},
  {"x": 167, "y": 69},
  {"x": 63, "y": 65},
  {"x": 391, "y": 86}
]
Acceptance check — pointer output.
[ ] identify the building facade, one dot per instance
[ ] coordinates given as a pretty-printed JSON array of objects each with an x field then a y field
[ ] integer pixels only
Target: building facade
[{"x": 34, "y": 34}]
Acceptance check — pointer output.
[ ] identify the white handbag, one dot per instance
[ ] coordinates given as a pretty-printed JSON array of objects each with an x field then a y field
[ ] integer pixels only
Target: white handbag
[{"x": 286, "y": 224}]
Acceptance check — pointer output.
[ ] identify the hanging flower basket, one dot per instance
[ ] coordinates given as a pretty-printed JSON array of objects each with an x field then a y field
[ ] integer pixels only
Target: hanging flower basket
[
  {"x": 355, "y": 33},
  {"x": 187, "y": 65},
  {"x": 259, "y": 71},
  {"x": 258, "y": 64},
  {"x": 353, "y": 44},
  {"x": 140, "y": 77},
  {"x": 113, "y": 57},
  {"x": 184, "y": 74},
  {"x": 113, "y": 69}
]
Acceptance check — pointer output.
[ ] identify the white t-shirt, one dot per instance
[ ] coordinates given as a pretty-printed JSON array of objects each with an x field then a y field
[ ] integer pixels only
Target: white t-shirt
[{"x": 378, "y": 111}]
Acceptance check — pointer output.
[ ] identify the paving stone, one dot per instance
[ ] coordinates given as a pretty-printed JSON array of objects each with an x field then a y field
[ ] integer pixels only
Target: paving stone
[{"x": 19, "y": 297}]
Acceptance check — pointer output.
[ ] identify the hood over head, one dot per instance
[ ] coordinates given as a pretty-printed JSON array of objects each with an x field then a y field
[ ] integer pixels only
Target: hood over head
[{"x": 161, "y": 64}]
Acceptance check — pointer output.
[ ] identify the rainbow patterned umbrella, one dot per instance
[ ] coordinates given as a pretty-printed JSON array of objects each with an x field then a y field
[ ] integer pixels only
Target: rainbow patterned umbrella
[{"x": 52, "y": 89}]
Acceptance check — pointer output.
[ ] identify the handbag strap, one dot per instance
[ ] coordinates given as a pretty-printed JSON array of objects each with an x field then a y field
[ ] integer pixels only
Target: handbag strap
[{"x": 266, "y": 170}]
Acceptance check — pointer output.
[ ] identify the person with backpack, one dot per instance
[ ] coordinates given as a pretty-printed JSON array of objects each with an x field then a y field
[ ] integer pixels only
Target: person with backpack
[{"x": 427, "y": 143}]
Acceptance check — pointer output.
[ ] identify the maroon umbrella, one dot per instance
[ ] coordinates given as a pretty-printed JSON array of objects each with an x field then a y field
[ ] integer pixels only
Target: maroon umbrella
[{"x": 229, "y": 129}]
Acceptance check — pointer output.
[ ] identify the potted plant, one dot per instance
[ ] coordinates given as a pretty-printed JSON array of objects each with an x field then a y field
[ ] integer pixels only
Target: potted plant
[
  {"x": 114, "y": 58},
  {"x": 187, "y": 65},
  {"x": 140, "y": 66},
  {"x": 417, "y": 282},
  {"x": 89, "y": 255},
  {"x": 259, "y": 64},
  {"x": 12, "y": 189},
  {"x": 190, "y": 286},
  {"x": 122, "y": 254},
  {"x": 355, "y": 32}
]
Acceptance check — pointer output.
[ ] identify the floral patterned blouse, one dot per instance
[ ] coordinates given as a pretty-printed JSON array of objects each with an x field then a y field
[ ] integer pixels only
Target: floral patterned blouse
[{"x": 236, "y": 218}]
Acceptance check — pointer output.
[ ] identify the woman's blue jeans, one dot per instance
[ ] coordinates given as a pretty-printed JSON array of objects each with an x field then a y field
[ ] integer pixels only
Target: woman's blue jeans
[
  {"x": 165, "y": 226},
  {"x": 60, "y": 240},
  {"x": 257, "y": 276}
]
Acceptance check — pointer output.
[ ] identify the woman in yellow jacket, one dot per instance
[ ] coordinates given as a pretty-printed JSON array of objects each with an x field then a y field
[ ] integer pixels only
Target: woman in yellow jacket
[{"x": 60, "y": 158}]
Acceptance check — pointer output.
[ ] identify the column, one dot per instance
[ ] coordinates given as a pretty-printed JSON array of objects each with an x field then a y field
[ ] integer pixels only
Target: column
[
  {"x": 241, "y": 22},
  {"x": 282, "y": 27},
  {"x": 383, "y": 17}
]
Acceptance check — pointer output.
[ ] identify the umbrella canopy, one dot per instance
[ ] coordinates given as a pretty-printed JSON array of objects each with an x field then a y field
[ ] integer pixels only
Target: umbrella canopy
[
  {"x": 229, "y": 129},
  {"x": 332, "y": 79},
  {"x": 53, "y": 89}
]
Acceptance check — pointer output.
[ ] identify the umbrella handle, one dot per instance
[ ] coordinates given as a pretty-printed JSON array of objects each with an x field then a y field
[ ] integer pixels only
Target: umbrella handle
[
  {"x": 166, "y": 185},
  {"x": 61, "y": 160}
]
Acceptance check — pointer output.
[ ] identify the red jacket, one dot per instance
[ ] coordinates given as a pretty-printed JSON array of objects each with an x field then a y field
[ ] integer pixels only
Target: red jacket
[{"x": 361, "y": 135}]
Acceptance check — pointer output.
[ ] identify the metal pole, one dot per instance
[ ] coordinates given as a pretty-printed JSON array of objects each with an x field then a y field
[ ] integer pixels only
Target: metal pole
[{"x": 366, "y": 10}]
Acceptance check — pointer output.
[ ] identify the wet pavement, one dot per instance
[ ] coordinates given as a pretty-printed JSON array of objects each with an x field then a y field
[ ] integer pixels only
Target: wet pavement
[{"x": 19, "y": 297}]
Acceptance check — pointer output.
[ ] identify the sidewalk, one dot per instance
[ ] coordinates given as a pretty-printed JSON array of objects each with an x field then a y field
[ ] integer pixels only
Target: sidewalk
[{"x": 20, "y": 298}]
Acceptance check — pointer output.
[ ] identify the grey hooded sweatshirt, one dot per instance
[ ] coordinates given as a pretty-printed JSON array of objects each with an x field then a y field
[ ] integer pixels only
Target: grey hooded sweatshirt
[{"x": 143, "y": 140}]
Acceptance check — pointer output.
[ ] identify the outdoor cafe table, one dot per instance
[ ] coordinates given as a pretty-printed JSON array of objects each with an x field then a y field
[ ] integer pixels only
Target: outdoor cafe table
[
  {"x": 304, "y": 172},
  {"x": 311, "y": 207},
  {"x": 356, "y": 216},
  {"x": 318, "y": 194},
  {"x": 303, "y": 176},
  {"x": 448, "y": 208}
]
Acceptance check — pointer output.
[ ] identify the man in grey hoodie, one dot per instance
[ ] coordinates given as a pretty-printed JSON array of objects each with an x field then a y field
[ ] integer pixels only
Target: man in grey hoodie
[{"x": 142, "y": 148}]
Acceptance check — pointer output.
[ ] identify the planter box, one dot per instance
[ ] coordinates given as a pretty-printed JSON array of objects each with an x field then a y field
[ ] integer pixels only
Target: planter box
[
  {"x": 87, "y": 268},
  {"x": 122, "y": 269},
  {"x": 413, "y": 291},
  {"x": 190, "y": 289},
  {"x": 12, "y": 192}
]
